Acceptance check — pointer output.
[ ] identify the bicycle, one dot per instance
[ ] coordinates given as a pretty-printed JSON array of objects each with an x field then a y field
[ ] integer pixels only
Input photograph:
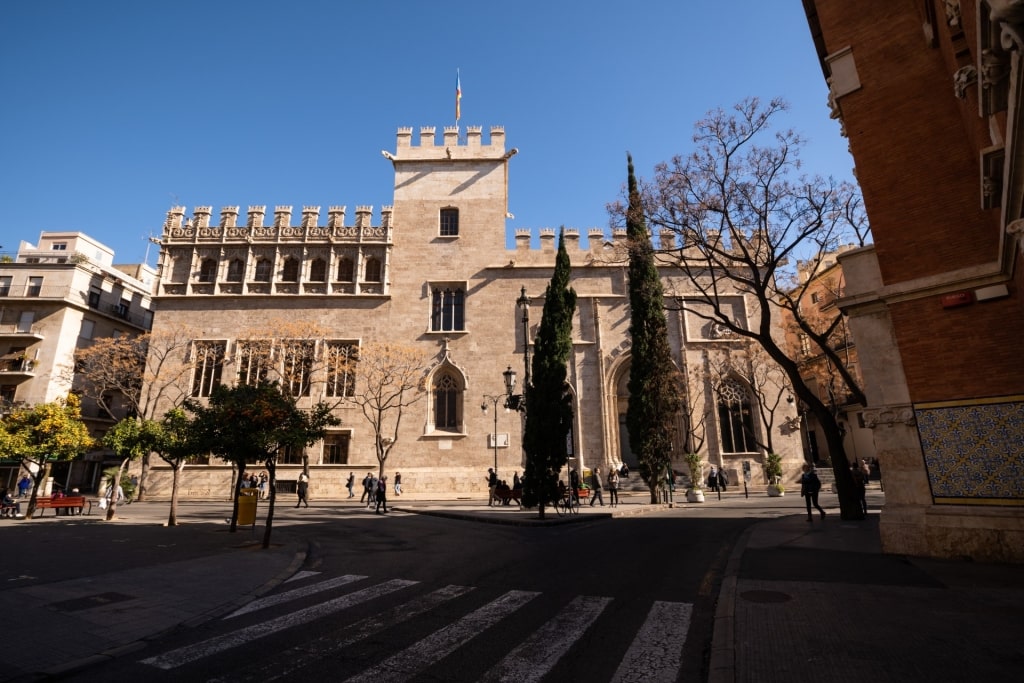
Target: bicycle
[{"x": 568, "y": 505}]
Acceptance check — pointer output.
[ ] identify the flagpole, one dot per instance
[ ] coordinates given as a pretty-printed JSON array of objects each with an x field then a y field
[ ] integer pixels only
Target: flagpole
[{"x": 458, "y": 100}]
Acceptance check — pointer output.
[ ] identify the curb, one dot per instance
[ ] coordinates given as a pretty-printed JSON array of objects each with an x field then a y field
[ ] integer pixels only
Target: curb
[
  {"x": 722, "y": 664},
  {"x": 518, "y": 518}
]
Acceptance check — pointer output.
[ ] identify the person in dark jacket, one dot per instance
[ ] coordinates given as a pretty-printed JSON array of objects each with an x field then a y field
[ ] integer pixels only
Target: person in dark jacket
[
  {"x": 382, "y": 495},
  {"x": 713, "y": 479},
  {"x": 302, "y": 489},
  {"x": 809, "y": 487}
]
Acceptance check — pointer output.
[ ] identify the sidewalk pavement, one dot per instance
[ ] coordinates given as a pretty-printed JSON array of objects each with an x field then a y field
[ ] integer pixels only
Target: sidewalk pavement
[{"x": 798, "y": 601}]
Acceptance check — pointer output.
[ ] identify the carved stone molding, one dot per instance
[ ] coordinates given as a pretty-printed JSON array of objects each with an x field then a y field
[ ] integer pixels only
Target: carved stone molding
[
  {"x": 889, "y": 416},
  {"x": 834, "y": 111},
  {"x": 1009, "y": 14},
  {"x": 965, "y": 77},
  {"x": 953, "y": 13}
]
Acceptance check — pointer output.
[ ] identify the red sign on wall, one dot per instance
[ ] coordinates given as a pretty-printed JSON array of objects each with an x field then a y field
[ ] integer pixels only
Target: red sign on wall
[{"x": 956, "y": 299}]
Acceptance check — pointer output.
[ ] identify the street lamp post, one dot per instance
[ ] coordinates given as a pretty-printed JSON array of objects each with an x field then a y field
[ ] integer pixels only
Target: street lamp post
[
  {"x": 494, "y": 401},
  {"x": 524, "y": 303},
  {"x": 515, "y": 401}
]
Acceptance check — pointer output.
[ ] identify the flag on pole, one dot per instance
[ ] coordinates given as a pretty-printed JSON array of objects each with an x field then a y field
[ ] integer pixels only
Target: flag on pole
[{"x": 458, "y": 97}]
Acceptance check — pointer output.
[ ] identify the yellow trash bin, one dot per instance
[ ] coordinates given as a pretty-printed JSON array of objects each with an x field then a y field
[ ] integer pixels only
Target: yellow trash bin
[{"x": 247, "y": 506}]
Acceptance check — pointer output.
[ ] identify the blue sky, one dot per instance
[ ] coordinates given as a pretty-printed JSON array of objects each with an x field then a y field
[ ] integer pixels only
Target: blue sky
[{"x": 116, "y": 110}]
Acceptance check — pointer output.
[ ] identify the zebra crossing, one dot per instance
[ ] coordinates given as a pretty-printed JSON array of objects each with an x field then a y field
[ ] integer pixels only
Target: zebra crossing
[{"x": 654, "y": 653}]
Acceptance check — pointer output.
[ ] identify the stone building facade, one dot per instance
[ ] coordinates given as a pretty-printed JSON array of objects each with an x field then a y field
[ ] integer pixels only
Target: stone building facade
[
  {"x": 432, "y": 272},
  {"x": 822, "y": 285},
  {"x": 56, "y": 296},
  {"x": 929, "y": 95}
]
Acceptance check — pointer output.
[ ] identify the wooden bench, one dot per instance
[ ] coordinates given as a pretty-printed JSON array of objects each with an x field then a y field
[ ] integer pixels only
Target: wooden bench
[
  {"x": 504, "y": 495},
  {"x": 69, "y": 503}
]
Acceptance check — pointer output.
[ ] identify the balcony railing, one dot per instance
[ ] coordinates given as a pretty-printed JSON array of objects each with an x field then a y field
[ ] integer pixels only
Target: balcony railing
[
  {"x": 18, "y": 331},
  {"x": 17, "y": 365}
]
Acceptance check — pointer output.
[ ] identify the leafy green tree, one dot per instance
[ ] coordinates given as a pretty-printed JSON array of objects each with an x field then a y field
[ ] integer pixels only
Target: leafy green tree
[
  {"x": 654, "y": 382},
  {"x": 172, "y": 440},
  {"x": 549, "y": 413},
  {"x": 253, "y": 423},
  {"x": 127, "y": 441},
  {"x": 42, "y": 434}
]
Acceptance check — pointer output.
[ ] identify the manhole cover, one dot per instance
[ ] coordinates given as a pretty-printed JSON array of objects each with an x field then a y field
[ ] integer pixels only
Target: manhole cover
[
  {"x": 766, "y": 596},
  {"x": 90, "y": 601}
]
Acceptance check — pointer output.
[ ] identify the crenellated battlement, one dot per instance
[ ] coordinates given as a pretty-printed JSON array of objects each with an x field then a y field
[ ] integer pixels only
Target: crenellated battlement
[
  {"x": 600, "y": 249},
  {"x": 451, "y": 145},
  {"x": 179, "y": 228}
]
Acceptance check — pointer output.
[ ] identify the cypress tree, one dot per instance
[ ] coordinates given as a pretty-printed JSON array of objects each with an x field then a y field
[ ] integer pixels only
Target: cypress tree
[
  {"x": 549, "y": 412},
  {"x": 653, "y": 379}
]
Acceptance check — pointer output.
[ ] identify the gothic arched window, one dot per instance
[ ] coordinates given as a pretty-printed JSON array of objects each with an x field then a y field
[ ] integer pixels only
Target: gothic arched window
[
  {"x": 318, "y": 270},
  {"x": 208, "y": 270},
  {"x": 236, "y": 269},
  {"x": 264, "y": 268},
  {"x": 735, "y": 418},
  {"x": 346, "y": 272},
  {"x": 372, "y": 273},
  {"x": 446, "y": 402},
  {"x": 290, "y": 271}
]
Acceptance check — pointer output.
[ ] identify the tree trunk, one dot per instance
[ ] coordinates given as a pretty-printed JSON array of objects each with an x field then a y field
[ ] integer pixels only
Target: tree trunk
[
  {"x": 114, "y": 486},
  {"x": 849, "y": 505},
  {"x": 172, "y": 517},
  {"x": 37, "y": 481},
  {"x": 271, "y": 465},
  {"x": 234, "y": 499},
  {"x": 140, "y": 493}
]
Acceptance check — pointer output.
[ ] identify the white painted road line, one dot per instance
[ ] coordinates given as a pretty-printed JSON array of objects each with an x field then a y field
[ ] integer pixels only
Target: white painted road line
[
  {"x": 318, "y": 649},
  {"x": 656, "y": 652},
  {"x": 296, "y": 593},
  {"x": 190, "y": 653},
  {"x": 440, "y": 644},
  {"x": 539, "y": 653}
]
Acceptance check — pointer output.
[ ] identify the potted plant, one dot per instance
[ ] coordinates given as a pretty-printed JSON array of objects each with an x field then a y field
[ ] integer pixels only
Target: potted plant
[
  {"x": 695, "y": 492},
  {"x": 773, "y": 469}
]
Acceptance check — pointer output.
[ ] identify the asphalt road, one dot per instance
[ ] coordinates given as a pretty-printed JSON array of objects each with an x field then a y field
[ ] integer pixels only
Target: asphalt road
[{"x": 410, "y": 597}]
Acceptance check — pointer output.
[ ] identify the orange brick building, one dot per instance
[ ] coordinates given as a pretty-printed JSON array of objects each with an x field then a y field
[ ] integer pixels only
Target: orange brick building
[
  {"x": 929, "y": 94},
  {"x": 822, "y": 285}
]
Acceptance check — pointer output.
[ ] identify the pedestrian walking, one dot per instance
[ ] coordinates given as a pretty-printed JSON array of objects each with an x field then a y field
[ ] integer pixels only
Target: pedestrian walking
[
  {"x": 24, "y": 484},
  {"x": 302, "y": 489},
  {"x": 516, "y": 481},
  {"x": 809, "y": 487},
  {"x": 492, "y": 484},
  {"x": 262, "y": 485},
  {"x": 595, "y": 487},
  {"x": 723, "y": 480},
  {"x": 613, "y": 488},
  {"x": 860, "y": 484},
  {"x": 398, "y": 483},
  {"x": 367, "y": 488},
  {"x": 713, "y": 479},
  {"x": 371, "y": 500},
  {"x": 574, "y": 485},
  {"x": 382, "y": 495},
  {"x": 351, "y": 484}
]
